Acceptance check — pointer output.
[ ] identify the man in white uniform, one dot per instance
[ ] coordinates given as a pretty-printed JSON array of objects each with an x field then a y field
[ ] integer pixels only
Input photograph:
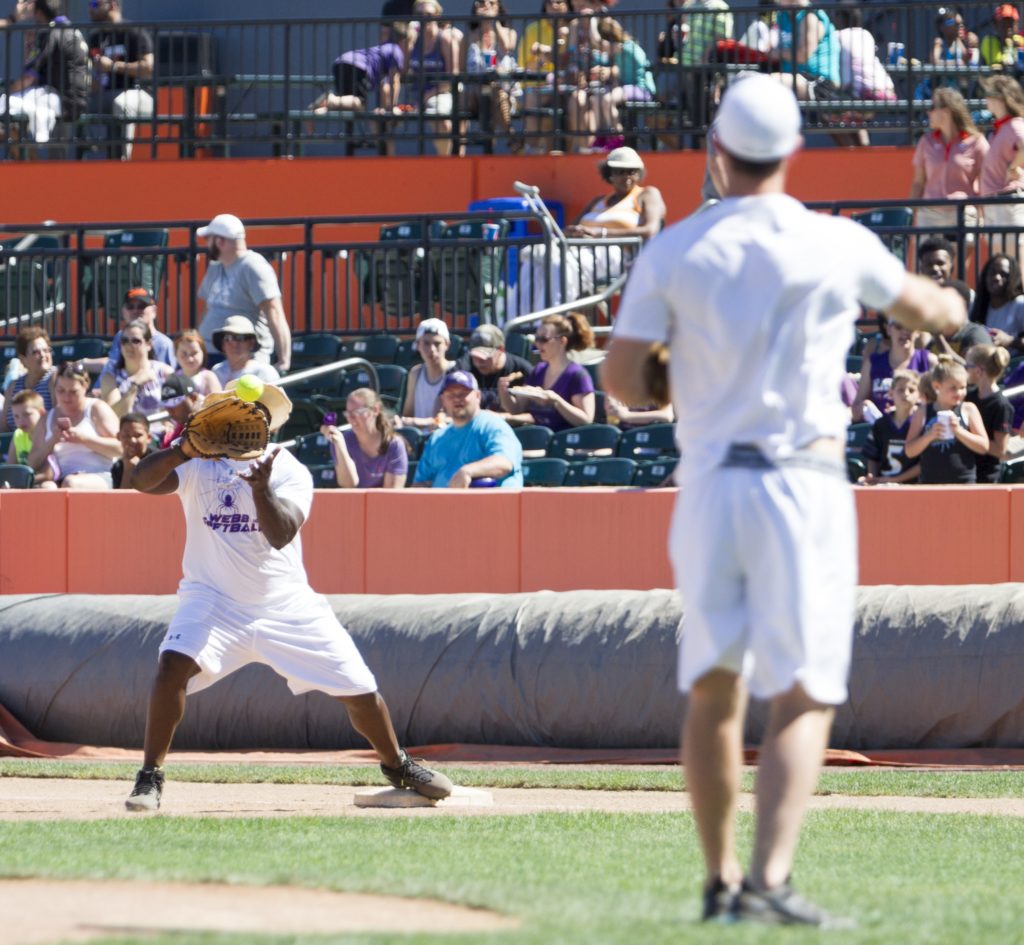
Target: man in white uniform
[
  {"x": 757, "y": 299},
  {"x": 245, "y": 598}
]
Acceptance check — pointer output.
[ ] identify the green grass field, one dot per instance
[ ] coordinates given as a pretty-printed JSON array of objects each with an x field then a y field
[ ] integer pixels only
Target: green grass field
[{"x": 591, "y": 879}]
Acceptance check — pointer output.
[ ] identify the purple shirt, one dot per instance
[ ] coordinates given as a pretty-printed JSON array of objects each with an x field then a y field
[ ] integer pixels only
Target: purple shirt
[
  {"x": 370, "y": 470},
  {"x": 881, "y": 375},
  {"x": 376, "y": 61},
  {"x": 572, "y": 381}
]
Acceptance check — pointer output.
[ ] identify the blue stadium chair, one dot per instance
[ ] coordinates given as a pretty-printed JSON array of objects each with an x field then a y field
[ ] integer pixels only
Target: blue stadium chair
[
  {"x": 533, "y": 439},
  {"x": 602, "y": 471},
  {"x": 323, "y": 476},
  {"x": 415, "y": 438},
  {"x": 546, "y": 471},
  {"x": 857, "y": 436},
  {"x": 654, "y": 474},
  {"x": 378, "y": 349},
  {"x": 588, "y": 440},
  {"x": 649, "y": 442},
  {"x": 16, "y": 476}
]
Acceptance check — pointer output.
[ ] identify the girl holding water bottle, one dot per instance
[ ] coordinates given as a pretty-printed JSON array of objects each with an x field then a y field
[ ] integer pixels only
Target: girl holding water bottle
[{"x": 948, "y": 434}]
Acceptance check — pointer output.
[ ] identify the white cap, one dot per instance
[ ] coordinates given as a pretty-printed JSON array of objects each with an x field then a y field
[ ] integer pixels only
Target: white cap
[
  {"x": 433, "y": 326},
  {"x": 624, "y": 158},
  {"x": 758, "y": 120},
  {"x": 224, "y": 224}
]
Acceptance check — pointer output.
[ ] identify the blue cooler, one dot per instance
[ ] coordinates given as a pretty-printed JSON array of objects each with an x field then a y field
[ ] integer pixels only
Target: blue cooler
[{"x": 517, "y": 228}]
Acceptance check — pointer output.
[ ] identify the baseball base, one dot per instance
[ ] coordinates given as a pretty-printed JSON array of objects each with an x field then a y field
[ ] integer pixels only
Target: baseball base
[{"x": 394, "y": 797}]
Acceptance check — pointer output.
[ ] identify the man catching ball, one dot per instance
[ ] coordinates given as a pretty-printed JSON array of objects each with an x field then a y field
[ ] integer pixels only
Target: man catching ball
[{"x": 245, "y": 597}]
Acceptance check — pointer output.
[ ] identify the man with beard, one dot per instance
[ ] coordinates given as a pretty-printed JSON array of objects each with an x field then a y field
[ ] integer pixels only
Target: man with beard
[{"x": 239, "y": 281}]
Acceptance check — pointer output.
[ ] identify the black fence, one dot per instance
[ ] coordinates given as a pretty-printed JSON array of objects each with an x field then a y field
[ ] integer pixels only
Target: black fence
[
  {"x": 348, "y": 275},
  {"x": 259, "y": 88}
]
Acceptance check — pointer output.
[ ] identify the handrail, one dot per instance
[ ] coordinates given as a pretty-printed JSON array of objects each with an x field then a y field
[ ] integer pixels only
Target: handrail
[{"x": 588, "y": 300}]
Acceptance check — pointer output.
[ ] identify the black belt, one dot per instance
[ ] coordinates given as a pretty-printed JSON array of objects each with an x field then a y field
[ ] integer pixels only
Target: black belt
[{"x": 749, "y": 456}]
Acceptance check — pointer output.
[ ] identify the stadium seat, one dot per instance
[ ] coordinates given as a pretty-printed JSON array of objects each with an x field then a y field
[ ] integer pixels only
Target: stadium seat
[
  {"x": 396, "y": 278},
  {"x": 323, "y": 476},
  {"x": 602, "y": 471},
  {"x": 415, "y": 438},
  {"x": 5, "y": 444},
  {"x": 534, "y": 439},
  {"x": 306, "y": 418},
  {"x": 649, "y": 442},
  {"x": 391, "y": 384},
  {"x": 314, "y": 349},
  {"x": 854, "y": 363},
  {"x": 546, "y": 471},
  {"x": 353, "y": 379},
  {"x": 468, "y": 269},
  {"x": 886, "y": 218},
  {"x": 654, "y": 474},
  {"x": 105, "y": 277},
  {"x": 519, "y": 344},
  {"x": 31, "y": 286},
  {"x": 15, "y": 476},
  {"x": 855, "y": 466},
  {"x": 379, "y": 349},
  {"x": 314, "y": 450},
  {"x": 1012, "y": 472},
  {"x": 76, "y": 349},
  {"x": 857, "y": 436},
  {"x": 411, "y": 474},
  {"x": 588, "y": 440}
]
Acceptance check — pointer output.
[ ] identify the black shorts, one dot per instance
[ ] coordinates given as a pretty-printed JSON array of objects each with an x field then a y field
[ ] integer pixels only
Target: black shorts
[{"x": 350, "y": 80}]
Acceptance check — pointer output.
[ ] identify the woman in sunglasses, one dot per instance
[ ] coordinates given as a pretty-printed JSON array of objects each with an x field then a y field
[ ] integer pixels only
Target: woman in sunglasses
[
  {"x": 78, "y": 440},
  {"x": 134, "y": 387}
]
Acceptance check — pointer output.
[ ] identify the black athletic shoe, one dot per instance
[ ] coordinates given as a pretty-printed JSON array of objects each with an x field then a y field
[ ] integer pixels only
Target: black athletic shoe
[
  {"x": 149, "y": 785},
  {"x": 422, "y": 780},
  {"x": 784, "y": 906},
  {"x": 719, "y": 902}
]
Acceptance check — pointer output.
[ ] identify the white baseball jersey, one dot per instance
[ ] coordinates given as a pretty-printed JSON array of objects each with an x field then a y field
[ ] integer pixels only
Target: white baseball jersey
[
  {"x": 224, "y": 547},
  {"x": 757, "y": 298}
]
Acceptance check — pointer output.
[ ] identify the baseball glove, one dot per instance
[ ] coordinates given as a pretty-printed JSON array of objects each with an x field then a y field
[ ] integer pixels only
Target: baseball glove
[
  {"x": 228, "y": 429},
  {"x": 656, "y": 375}
]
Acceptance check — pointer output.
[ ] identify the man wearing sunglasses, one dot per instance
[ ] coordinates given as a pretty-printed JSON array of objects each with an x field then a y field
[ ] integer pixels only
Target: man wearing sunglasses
[
  {"x": 122, "y": 62},
  {"x": 239, "y": 281},
  {"x": 138, "y": 303}
]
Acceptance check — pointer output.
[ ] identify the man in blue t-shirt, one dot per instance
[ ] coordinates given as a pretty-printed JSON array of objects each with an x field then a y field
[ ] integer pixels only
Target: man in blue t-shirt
[{"x": 477, "y": 448}]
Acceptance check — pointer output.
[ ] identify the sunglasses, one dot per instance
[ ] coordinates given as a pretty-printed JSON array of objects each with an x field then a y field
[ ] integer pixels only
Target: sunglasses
[
  {"x": 543, "y": 339},
  {"x": 133, "y": 341},
  {"x": 239, "y": 338},
  {"x": 73, "y": 369}
]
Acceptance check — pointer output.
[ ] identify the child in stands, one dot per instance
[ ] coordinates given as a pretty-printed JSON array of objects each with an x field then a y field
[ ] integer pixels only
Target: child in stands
[
  {"x": 28, "y": 409},
  {"x": 884, "y": 450},
  {"x": 136, "y": 441},
  {"x": 948, "y": 435},
  {"x": 985, "y": 365}
]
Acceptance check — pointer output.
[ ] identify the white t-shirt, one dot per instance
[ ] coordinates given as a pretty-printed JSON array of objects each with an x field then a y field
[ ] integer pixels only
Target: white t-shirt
[
  {"x": 224, "y": 547},
  {"x": 265, "y": 372},
  {"x": 757, "y": 297}
]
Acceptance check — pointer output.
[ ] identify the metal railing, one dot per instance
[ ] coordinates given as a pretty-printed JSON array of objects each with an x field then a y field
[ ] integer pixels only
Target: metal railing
[
  {"x": 347, "y": 275},
  {"x": 230, "y": 88}
]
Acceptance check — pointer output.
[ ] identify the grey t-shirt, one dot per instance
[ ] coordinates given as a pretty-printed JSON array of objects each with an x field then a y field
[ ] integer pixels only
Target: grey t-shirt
[{"x": 239, "y": 289}]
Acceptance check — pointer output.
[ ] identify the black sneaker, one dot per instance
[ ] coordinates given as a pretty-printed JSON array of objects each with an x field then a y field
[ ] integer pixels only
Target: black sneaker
[
  {"x": 422, "y": 780},
  {"x": 719, "y": 902},
  {"x": 149, "y": 785},
  {"x": 783, "y": 905}
]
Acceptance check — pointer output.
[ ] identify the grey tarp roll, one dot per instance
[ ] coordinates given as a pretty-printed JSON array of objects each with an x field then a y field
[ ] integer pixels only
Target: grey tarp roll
[{"x": 934, "y": 667}]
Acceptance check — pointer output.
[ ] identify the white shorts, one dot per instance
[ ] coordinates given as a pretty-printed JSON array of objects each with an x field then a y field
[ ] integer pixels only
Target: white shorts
[
  {"x": 1007, "y": 214},
  {"x": 301, "y": 639},
  {"x": 947, "y": 216},
  {"x": 766, "y": 563}
]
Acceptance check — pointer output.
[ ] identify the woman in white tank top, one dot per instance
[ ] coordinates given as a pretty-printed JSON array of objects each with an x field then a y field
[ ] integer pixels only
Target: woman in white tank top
[{"x": 80, "y": 433}]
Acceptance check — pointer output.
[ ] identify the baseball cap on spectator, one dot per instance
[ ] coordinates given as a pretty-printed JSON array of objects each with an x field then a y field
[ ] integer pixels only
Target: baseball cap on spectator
[
  {"x": 224, "y": 224},
  {"x": 758, "y": 121},
  {"x": 176, "y": 388},
  {"x": 1006, "y": 11},
  {"x": 485, "y": 340},
  {"x": 233, "y": 325},
  {"x": 139, "y": 294},
  {"x": 625, "y": 158},
  {"x": 460, "y": 379},
  {"x": 433, "y": 326}
]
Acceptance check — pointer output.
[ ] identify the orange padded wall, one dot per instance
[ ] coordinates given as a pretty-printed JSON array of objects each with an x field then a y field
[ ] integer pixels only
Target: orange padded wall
[
  {"x": 100, "y": 191},
  {"x": 423, "y": 542}
]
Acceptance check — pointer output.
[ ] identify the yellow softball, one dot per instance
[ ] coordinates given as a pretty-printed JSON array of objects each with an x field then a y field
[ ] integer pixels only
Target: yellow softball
[{"x": 249, "y": 387}]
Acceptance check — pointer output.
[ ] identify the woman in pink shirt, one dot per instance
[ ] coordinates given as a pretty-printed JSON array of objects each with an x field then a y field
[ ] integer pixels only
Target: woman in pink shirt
[
  {"x": 948, "y": 161},
  {"x": 1001, "y": 171}
]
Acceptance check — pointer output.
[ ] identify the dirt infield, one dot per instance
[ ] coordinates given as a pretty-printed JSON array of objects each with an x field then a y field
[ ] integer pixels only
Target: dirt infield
[
  {"x": 80, "y": 911},
  {"x": 59, "y": 799}
]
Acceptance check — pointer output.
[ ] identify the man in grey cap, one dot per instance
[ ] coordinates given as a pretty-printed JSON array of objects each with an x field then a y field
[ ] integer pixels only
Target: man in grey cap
[
  {"x": 239, "y": 281},
  {"x": 487, "y": 360},
  {"x": 756, "y": 298}
]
